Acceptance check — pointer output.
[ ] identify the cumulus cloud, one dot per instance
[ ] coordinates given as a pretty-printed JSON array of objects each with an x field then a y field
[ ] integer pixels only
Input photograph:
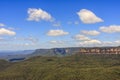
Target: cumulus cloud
[
  {"x": 56, "y": 42},
  {"x": 88, "y": 17},
  {"x": 8, "y": 32},
  {"x": 32, "y": 39},
  {"x": 57, "y": 33},
  {"x": 38, "y": 14},
  {"x": 90, "y": 42},
  {"x": 91, "y": 33},
  {"x": 98, "y": 43},
  {"x": 110, "y": 29},
  {"x": 2, "y": 25},
  {"x": 81, "y": 37},
  {"x": 117, "y": 42},
  {"x": 110, "y": 43},
  {"x": 27, "y": 44},
  {"x": 73, "y": 22},
  {"x": 83, "y": 40}
]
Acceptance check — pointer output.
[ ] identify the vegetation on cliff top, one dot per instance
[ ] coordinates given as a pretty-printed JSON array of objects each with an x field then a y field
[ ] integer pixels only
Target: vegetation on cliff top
[{"x": 75, "y": 67}]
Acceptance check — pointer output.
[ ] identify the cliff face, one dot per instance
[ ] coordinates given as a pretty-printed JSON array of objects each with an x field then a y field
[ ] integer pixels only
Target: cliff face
[
  {"x": 54, "y": 52},
  {"x": 101, "y": 50},
  {"x": 80, "y": 50}
]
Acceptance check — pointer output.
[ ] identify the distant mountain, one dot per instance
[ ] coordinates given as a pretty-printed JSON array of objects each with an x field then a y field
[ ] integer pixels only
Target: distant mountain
[
  {"x": 74, "y": 50},
  {"x": 14, "y": 54},
  {"x": 60, "y": 52},
  {"x": 54, "y": 52}
]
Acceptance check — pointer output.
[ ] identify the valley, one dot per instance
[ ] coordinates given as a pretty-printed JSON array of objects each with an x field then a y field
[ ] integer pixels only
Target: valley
[{"x": 74, "y": 67}]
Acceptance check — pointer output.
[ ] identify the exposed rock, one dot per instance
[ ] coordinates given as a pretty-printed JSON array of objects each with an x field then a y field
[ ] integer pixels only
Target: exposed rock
[{"x": 74, "y": 50}]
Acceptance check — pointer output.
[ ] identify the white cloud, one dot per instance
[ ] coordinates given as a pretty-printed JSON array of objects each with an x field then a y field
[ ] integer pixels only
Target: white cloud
[
  {"x": 27, "y": 44},
  {"x": 111, "y": 43},
  {"x": 91, "y": 42},
  {"x": 86, "y": 41},
  {"x": 2, "y": 25},
  {"x": 98, "y": 43},
  {"x": 4, "y": 31},
  {"x": 57, "y": 33},
  {"x": 110, "y": 29},
  {"x": 56, "y": 42},
  {"x": 30, "y": 39},
  {"x": 106, "y": 42},
  {"x": 117, "y": 42},
  {"x": 81, "y": 37},
  {"x": 38, "y": 14},
  {"x": 57, "y": 24},
  {"x": 11, "y": 28},
  {"x": 73, "y": 22},
  {"x": 88, "y": 17},
  {"x": 92, "y": 32}
]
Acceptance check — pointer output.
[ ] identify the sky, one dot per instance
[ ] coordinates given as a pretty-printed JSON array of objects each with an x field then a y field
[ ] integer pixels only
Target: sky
[{"x": 35, "y": 24}]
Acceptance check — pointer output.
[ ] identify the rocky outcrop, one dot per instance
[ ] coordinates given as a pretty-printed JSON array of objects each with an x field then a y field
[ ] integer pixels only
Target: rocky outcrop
[
  {"x": 100, "y": 50},
  {"x": 74, "y": 50}
]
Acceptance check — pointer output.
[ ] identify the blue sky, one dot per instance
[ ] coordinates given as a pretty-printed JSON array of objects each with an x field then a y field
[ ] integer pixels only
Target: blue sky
[{"x": 68, "y": 23}]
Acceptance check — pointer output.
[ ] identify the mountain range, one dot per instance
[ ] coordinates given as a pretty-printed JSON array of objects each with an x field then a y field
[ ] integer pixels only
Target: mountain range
[{"x": 60, "y": 52}]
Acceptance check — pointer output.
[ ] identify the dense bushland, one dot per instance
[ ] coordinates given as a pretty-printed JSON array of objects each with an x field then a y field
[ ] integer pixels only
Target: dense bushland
[{"x": 75, "y": 67}]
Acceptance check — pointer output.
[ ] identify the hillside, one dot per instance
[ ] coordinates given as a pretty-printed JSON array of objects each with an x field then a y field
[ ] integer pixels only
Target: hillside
[
  {"x": 4, "y": 64},
  {"x": 75, "y": 67}
]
